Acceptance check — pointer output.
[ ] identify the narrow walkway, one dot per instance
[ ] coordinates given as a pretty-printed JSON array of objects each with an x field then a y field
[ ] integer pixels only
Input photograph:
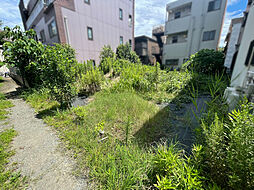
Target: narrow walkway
[{"x": 38, "y": 154}]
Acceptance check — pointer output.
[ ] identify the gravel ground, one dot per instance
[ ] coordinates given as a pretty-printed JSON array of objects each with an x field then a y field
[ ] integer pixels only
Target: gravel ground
[{"x": 39, "y": 155}]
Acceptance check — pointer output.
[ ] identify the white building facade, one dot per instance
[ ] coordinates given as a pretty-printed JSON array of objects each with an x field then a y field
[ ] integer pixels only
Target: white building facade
[
  {"x": 192, "y": 25},
  {"x": 233, "y": 40},
  {"x": 242, "y": 80}
]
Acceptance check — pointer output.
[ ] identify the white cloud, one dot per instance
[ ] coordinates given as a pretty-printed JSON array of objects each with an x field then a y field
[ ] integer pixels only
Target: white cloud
[
  {"x": 9, "y": 13},
  {"x": 232, "y": 2},
  {"x": 148, "y": 14}
]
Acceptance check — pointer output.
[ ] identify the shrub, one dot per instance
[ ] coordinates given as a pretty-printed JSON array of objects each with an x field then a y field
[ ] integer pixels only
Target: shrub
[
  {"x": 59, "y": 73},
  {"x": 173, "y": 171},
  {"x": 106, "y": 52},
  {"x": 25, "y": 53},
  {"x": 125, "y": 52},
  {"x": 240, "y": 148},
  {"x": 206, "y": 61},
  {"x": 136, "y": 77},
  {"x": 228, "y": 149},
  {"x": 91, "y": 79}
]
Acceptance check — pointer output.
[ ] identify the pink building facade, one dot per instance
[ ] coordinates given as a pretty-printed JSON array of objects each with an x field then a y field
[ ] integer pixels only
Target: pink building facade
[{"x": 87, "y": 25}]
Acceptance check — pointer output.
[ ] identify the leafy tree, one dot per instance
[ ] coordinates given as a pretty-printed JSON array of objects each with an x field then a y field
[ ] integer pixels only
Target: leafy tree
[
  {"x": 24, "y": 52},
  {"x": 125, "y": 52},
  {"x": 2, "y": 33}
]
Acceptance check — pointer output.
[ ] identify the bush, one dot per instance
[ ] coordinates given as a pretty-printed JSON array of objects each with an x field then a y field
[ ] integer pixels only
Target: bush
[
  {"x": 141, "y": 78},
  {"x": 173, "y": 171},
  {"x": 106, "y": 52},
  {"x": 206, "y": 61},
  {"x": 91, "y": 79},
  {"x": 59, "y": 73},
  {"x": 125, "y": 52},
  {"x": 25, "y": 53},
  {"x": 240, "y": 148},
  {"x": 229, "y": 148}
]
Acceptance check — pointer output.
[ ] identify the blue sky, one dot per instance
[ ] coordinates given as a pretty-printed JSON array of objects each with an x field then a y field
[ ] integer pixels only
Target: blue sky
[{"x": 148, "y": 14}]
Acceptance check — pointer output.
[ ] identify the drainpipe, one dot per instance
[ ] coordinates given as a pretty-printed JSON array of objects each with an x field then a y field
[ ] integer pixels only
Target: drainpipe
[{"x": 203, "y": 15}]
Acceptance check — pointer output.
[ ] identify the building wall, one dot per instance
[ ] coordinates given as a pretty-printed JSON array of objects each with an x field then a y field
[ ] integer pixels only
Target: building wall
[
  {"x": 196, "y": 23},
  {"x": 240, "y": 69},
  {"x": 103, "y": 18},
  {"x": 234, "y": 36},
  {"x": 74, "y": 16}
]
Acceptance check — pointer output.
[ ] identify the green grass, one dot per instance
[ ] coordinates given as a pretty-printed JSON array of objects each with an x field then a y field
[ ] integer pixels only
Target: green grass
[
  {"x": 9, "y": 179},
  {"x": 118, "y": 162},
  {"x": 4, "y": 104}
]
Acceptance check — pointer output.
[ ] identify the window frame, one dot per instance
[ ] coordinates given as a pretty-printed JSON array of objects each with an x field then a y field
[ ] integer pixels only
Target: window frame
[
  {"x": 87, "y": 2},
  {"x": 171, "y": 60},
  {"x": 174, "y": 39},
  {"x": 210, "y": 35},
  {"x": 43, "y": 36},
  {"x": 120, "y": 14},
  {"x": 121, "y": 40},
  {"x": 50, "y": 29},
  {"x": 90, "y": 29},
  {"x": 130, "y": 20},
  {"x": 211, "y": 5},
  {"x": 177, "y": 15}
]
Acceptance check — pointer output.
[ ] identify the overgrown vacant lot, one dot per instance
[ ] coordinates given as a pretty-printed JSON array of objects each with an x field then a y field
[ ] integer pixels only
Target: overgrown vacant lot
[
  {"x": 121, "y": 136},
  {"x": 134, "y": 126}
]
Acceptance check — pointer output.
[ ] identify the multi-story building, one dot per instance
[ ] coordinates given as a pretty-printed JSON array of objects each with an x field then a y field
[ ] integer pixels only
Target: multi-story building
[
  {"x": 158, "y": 34},
  {"x": 242, "y": 80},
  {"x": 147, "y": 48},
  {"x": 232, "y": 40},
  {"x": 192, "y": 25},
  {"x": 87, "y": 25}
]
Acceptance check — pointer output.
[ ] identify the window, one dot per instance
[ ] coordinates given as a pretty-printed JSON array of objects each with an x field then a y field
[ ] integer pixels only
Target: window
[
  {"x": 170, "y": 62},
  {"x": 66, "y": 30},
  {"x": 121, "y": 40},
  {"x": 87, "y": 2},
  {"x": 130, "y": 42},
  {"x": 174, "y": 39},
  {"x": 121, "y": 14},
  {"x": 214, "y": 5},
  {"x": 130, "y": 20},
  {"x": 90, "y": 33},
  {"x": 52, "y": 29},
  {"x": 250, "y": 56},
  {"x": 43, "y": 37},
  {"x": 177, "y": 15},
  {"x": 210, "y": 35}
]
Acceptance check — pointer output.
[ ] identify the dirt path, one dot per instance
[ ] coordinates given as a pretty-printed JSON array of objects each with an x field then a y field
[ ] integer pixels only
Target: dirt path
[{"x": 38, "y": 154}]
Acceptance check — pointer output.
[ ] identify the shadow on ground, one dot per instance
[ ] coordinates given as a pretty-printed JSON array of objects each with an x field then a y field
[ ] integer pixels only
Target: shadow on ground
[{"x": 174, "y": 123}]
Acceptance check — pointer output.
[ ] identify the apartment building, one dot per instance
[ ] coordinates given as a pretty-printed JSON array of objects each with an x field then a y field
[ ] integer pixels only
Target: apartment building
[
  {"x": 192, "y": 25},
  {"x": 158, "y": 33},
  {"x": 242, "y": 80},
  {"x": 87, "y": 25},
  {"x": 233, "y": 41},
  {"x": 147, "y": 48}
]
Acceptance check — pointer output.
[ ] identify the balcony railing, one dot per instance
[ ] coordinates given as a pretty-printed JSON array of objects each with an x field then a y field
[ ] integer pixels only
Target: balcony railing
[{"x": 40, "y": 5}]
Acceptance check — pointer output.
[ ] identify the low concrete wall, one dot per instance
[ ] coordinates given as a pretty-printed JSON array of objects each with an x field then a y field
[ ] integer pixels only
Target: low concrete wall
[{"x": 14, "y": 74}]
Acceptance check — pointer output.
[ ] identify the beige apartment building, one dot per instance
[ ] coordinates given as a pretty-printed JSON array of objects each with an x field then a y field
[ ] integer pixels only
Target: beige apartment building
[
  {"x": 87, "y": 25},
  {"x": 192, "y": 25}
]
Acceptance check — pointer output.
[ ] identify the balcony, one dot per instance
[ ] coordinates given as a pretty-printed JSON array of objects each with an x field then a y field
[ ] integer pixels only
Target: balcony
[
  {"x": 177, "y": 25},
  {"x": 40, "y": 5},
  {"x": 175, "y": 50}
]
